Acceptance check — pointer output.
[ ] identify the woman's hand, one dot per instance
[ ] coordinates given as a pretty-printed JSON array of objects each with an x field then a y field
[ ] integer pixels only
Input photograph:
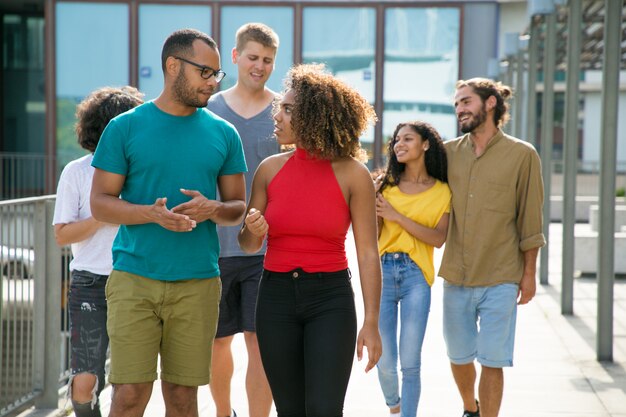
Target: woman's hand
[
  {"x": 256, "y": 223},
  {"x": 386, "y": 210},
  {"x": 378, "y": 182},
  {"x": 369, "y": 337}
]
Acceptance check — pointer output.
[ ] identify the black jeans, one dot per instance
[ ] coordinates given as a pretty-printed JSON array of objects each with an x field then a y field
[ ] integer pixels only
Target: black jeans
[{"x": 306, "y": 328}]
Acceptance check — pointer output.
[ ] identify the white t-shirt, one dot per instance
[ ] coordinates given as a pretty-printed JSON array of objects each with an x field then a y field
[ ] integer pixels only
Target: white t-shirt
[{"x": 72, "y": 204}]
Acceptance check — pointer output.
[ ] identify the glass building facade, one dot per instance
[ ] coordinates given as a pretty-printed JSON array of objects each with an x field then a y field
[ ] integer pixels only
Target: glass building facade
[
  {"x": 404, "y": 57},
  {"x": 419, "y": 58}
]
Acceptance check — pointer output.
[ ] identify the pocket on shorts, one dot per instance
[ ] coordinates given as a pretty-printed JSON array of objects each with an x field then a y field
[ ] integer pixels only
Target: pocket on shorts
[{"x": 83, "y": 279}]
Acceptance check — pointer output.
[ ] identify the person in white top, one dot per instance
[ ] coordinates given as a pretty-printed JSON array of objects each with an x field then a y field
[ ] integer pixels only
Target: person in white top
[{"x": 91, "y": 243}]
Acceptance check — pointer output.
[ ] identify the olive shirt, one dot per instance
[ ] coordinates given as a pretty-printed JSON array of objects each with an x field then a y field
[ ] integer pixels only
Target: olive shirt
[{"x": 496, "y": 215}]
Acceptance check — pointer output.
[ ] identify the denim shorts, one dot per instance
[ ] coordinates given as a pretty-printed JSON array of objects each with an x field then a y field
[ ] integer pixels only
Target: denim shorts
[
  {"x": 479, "y": 323},
  {"x": 88, "y": 318}
]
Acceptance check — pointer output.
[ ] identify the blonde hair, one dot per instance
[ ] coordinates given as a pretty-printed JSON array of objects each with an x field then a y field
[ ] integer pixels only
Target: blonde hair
[{"x": 257, "y": 32}]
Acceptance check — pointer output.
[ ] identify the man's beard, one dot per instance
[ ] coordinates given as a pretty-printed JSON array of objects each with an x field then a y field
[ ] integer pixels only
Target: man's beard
[
  {"x": 475, "y": 120},
  {"x": 185, "y": 94}
]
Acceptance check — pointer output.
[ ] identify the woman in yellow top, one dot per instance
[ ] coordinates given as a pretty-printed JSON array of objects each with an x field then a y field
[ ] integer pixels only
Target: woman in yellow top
[{"x": 413, "y": 206}]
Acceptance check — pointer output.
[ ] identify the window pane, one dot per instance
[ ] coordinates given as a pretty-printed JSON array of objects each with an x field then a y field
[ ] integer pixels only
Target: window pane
[
  {"x": 85, "y": 61},
  {"x": 421, "y": 67},
  {"x": 156, "y": 23},
  {"x": 22, "y": 115},
  {"x": 345, "y": 40},
  {"x": 278, "y": 18}
]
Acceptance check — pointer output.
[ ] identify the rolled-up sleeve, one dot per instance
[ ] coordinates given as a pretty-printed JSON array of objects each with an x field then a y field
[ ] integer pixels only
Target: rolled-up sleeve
[{"x": 530, "y": 197}]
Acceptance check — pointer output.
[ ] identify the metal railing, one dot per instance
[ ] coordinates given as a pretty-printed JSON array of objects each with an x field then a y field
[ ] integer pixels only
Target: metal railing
[
  {"x": 34, "y": 335},
  {"x": 24, "y": 175}
]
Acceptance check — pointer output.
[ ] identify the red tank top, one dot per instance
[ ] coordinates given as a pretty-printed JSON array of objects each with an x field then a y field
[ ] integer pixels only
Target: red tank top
[{"x": 308, "y": 217}]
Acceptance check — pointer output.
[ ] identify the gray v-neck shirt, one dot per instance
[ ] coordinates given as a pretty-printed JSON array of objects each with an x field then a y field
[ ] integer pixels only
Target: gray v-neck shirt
[{"x": 257, "y": 136}]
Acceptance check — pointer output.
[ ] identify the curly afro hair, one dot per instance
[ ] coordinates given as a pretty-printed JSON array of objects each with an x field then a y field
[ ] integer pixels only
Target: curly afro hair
[
  {"x": 94, "y": 112},
  {"x": 328, "y": 116}
]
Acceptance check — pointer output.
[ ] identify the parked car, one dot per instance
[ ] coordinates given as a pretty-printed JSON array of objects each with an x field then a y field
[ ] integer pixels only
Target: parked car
[{"x": 16, "y": 263}]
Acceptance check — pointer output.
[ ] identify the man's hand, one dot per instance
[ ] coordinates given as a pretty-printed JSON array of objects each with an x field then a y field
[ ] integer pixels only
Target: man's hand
[
  {"x": 160, "y": 214},
  {"x": 370, "y": 338},
  {"x": 256, "y": 223},
  {"x": 528, "y": 284},
  {"x": 527, "y": 288},
  {"x": 199, "y": 208}
]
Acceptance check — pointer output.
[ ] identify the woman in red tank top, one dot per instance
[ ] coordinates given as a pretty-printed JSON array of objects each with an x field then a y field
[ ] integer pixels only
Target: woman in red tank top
[{"x": 304, "y": 201}]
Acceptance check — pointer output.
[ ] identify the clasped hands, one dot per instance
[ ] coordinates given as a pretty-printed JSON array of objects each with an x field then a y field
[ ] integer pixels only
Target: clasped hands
[{"x": 184, "y": 217}]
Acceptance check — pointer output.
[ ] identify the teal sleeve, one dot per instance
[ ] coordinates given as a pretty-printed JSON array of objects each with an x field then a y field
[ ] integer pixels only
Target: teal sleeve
[
  {"x": 110, "y": 154},
  {"x": 235, "y": 162}
]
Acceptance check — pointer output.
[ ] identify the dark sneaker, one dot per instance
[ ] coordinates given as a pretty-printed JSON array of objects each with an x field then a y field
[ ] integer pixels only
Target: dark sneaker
[{"x": 472, "y": 413}]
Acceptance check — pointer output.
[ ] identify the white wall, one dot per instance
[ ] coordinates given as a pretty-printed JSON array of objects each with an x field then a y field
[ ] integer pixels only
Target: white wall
[
  {"x": 479, "y": 39},
  {"x": 513, "y": 18},
  {"x": 592, "y": 128}
]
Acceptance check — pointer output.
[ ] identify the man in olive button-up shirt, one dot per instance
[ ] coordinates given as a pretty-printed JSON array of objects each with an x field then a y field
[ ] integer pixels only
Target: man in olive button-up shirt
[{"x": 493, "y": 239}]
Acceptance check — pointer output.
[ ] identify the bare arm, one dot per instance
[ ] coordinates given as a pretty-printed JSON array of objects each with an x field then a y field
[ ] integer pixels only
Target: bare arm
[
  {"x": 528, "y": 283},
  {"x": 364, "y": 225},
  {"x": 379, "y": 225},
  {"x": 66, "y": 233},
  {"x": 233, "y": 195},
  {"x": 106, "y": 206},
  {"x": 432, "y": 236},
  {"x": 255, "y": 227},
  {"x": 227, "y": 212}
]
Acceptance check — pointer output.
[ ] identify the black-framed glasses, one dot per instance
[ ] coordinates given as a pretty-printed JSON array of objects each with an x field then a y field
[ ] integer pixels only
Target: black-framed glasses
[{"x": 205, "y": 72}]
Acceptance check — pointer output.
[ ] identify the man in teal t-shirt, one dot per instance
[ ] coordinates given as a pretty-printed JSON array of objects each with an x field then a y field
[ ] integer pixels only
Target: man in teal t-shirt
[{"x": 158, "y": 169}]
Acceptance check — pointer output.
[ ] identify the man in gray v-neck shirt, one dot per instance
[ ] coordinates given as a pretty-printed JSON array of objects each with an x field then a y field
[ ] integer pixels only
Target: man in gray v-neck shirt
[{"x": 248, "y": 106}]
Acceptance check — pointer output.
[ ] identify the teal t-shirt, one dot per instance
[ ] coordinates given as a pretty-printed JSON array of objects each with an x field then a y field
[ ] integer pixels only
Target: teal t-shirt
[{"x": 159, "y": 154}]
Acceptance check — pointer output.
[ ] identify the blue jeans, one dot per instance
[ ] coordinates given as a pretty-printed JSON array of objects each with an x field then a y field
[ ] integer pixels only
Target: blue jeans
[{"x": 404, "y": 286}]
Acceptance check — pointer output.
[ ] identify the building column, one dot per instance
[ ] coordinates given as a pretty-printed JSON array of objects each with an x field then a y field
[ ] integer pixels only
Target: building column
[
  {"x": 531, "y": 94},
  {"x": 570, "y": 152},
  {"x": 547, "y": 127},
  {"x": 519, "y": 89},
  {"x": 608, "y": 156}
]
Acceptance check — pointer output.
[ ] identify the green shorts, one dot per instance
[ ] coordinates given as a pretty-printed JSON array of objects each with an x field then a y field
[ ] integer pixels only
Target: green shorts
[{"x": 174, "y": 319}]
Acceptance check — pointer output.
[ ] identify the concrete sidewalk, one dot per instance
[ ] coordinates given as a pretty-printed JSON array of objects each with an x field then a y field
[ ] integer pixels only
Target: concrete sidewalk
[{"x": 555, "y": 374}]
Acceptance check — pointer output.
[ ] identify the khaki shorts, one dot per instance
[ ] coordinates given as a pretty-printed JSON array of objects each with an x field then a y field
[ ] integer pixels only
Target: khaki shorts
[{"x": 174, "y": 319}]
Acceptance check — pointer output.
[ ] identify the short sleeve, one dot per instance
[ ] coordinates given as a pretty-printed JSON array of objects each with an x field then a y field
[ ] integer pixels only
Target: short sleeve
[
  {"x": 110, "y": 154},
  {"x": 447, "y": 198},
  {"x": 235, "y": 162},
  {"x": 67, "y": 203}
]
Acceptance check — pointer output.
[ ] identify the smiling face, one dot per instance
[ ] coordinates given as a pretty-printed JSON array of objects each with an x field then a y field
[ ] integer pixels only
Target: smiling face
[
  {"x": 255, "y": 64},
  {"x": 470, "y": 109},
  {"x": 189, "y": 88},
  {"x": 409, "y": 145},
  {"x": 282, "y": 119}
]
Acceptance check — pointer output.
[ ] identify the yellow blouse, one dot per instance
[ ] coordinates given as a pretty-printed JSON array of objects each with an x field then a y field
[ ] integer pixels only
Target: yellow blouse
[{"x": 425, "y": 208}]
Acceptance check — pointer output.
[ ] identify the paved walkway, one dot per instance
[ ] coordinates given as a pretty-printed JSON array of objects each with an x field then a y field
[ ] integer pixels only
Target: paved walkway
[{"x": 555, "y": 374}]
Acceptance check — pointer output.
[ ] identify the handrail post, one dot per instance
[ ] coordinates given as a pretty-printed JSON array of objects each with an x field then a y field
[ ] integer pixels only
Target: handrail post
[{"x": 48, "y": 299}]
